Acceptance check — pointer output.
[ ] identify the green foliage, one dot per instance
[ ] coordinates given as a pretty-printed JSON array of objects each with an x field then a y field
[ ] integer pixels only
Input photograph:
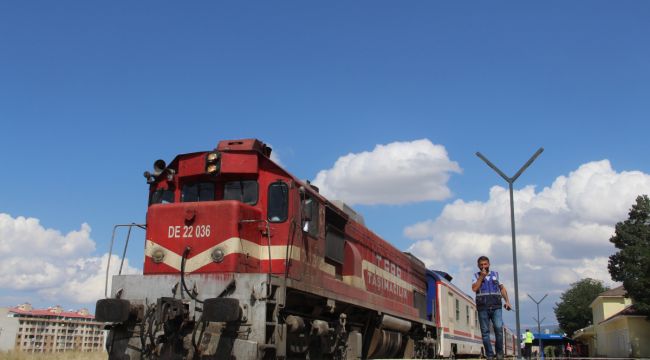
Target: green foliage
[
  {"x": 573, "y": 311},
  {"x": 631, "y": 264}
]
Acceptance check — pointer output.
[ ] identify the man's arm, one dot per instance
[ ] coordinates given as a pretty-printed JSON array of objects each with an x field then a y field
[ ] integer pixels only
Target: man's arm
[
  {"x": 479, "y": 280},
  {"x": 504, "y": 294}
]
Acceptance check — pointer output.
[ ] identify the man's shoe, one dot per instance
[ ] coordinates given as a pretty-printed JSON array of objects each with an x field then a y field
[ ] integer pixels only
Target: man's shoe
[{"x": 499, "y": 356}]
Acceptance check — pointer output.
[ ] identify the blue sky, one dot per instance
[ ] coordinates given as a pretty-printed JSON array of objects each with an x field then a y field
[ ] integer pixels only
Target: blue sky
[{"x": 91, "y": 94}]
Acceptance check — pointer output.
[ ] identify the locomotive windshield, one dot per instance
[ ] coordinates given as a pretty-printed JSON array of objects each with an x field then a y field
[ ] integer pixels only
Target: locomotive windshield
[
  {"x": 202, "y": 191},
  {"x": 161, "y": 196},
  {"x": 245, "y": 191}
]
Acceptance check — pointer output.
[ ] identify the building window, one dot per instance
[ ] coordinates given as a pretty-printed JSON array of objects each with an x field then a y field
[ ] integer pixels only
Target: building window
[
  {"x": 467, "y": 313},
  {"x": 457, "y": 310}
]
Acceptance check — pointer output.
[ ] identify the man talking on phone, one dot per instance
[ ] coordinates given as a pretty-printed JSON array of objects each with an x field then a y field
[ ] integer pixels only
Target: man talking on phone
[{"x": 489, "y": 292}]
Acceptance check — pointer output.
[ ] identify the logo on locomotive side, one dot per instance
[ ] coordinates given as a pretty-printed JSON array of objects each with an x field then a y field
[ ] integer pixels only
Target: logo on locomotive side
[{"x": 385, "y": 278}]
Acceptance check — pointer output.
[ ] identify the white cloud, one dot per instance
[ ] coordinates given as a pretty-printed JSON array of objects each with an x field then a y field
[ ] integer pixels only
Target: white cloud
[
  {"x": 46, "y": 264},
  {"x": 563, "y": 230},
  {"x": 396, "y": 173},
  {"x": 86, "y": 279},
  {"x": 22, "y": 233}
]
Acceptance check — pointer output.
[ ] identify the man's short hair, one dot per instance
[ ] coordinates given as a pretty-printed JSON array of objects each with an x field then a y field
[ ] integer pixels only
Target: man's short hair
[{"x": 482, "y": 258}]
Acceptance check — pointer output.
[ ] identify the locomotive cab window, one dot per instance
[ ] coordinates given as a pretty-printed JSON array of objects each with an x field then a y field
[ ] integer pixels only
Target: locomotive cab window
[
  {"x": 193, "y": 192},
  {"x": 161, "y": 196},
  {"x": 278, "y": 202},
  {"x": 245, "y": 191}
]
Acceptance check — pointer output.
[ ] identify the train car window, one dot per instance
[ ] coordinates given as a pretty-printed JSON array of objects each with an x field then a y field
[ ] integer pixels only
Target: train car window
[
  {"x": 245, "y": 191},
  {"x": 334, "y": 236},
  {"x": 311, "y": 216},
  {"x": 161, "y": 196},
  {"x": 203, "y": 191},
  {"x": 278, "y": 202}
]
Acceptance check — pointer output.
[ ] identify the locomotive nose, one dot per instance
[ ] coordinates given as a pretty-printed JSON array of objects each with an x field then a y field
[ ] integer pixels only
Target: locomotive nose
[{"x": 218, "y": 243}]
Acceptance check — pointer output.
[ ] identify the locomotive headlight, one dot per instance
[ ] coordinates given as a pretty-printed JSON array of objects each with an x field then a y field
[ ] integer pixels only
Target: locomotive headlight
[
  {"x": 217, "y": 255},
  {"x": 158, "y": 255},
  {"x": 212, "y": 163},
  {"x": 212, "y": 157},
  {"x": 212, "y": 168}
]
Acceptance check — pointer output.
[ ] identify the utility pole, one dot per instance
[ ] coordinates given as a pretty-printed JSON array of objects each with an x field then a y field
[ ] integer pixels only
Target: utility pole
[
  {"x": 539, "y": 330},
  {"x": 510, "y": 181}
]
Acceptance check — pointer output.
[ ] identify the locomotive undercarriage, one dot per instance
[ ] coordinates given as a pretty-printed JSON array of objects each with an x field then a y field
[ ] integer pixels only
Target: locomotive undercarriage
[{"x": 247, "y": 316}]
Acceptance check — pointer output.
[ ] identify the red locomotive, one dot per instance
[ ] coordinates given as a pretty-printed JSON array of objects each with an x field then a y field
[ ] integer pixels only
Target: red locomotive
[{"x": 243, "y": 260}]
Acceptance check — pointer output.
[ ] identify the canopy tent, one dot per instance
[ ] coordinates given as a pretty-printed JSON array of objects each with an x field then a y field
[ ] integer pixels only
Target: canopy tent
[{"x": 551, "y": 339}]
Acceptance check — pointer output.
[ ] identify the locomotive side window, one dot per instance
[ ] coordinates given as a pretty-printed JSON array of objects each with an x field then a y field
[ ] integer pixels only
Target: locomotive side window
[
  {"x": 203, "y": 191},
  {"x": 161, "y": 196},
  {"x": 334, "y": 238},
  {"x": 420, "y": 303},
  {"x": 311, "y": 216},
  {"x": 245, "y": 191},
  {"x": 278, "y": 202}
]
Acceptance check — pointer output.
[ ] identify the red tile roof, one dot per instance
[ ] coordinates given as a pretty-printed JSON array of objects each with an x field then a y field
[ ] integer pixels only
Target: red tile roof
[
  {"x": 50, "y": 312},
  {"x": 619, "y": 291}
]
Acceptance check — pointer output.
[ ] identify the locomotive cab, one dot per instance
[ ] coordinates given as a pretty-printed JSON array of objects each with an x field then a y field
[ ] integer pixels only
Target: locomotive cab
[{"x": 214, "y": 207}]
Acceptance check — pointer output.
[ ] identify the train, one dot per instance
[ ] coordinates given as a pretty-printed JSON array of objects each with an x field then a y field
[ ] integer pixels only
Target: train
[{"x": 242, "y": 260}]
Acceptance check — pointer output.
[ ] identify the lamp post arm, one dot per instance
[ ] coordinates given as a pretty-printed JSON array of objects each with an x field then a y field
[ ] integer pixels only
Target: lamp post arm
[
  {"x": 527, "y": 164},
  {"x": 489, "y": 163}
]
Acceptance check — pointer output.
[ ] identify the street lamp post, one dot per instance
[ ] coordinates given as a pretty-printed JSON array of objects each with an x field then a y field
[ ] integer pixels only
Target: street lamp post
[
  {"x": 510, "y": 181},
  {"x": 539, "y": 330}
]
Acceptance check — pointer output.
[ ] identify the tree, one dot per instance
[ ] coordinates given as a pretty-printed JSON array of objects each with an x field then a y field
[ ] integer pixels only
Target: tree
[
  {"x": 573, "y": 311},
  {"x": 631, "y": 264}
]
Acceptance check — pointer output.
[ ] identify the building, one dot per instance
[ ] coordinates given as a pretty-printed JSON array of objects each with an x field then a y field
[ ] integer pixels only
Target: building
[
  {"x": 617, "y": 330},
  {"x": 23, "y": 328}
]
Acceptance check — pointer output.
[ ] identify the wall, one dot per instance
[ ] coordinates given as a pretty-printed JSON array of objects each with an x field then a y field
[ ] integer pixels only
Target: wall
[
  {"x": 639, "y": 336},
  {"x": 9, "y": 326},
  {"x": 613, "y": 339}
]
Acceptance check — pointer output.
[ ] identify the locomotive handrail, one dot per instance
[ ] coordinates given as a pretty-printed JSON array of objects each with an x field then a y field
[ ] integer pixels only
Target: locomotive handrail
[{"x": 110, "y": 251}]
